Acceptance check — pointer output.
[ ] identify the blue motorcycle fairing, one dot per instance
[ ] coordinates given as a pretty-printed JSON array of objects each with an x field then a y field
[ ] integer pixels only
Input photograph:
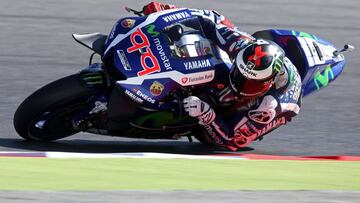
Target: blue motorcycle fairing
[
  {"x": 139, "y": 44},
  {"x": 312, "y": 55}
]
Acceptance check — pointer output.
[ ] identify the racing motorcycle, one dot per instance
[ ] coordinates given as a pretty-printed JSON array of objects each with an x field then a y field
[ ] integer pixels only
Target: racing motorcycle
[{"x": 148, "y": 65}]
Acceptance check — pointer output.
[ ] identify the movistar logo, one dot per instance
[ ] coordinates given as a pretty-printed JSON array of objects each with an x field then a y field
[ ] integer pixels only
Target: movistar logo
[
  {"x": 322, "y": 80},
  {"x": 151, "y": 30}
]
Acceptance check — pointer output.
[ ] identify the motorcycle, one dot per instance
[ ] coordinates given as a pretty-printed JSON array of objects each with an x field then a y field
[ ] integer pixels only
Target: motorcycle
[{"x": 148, "y": 65}]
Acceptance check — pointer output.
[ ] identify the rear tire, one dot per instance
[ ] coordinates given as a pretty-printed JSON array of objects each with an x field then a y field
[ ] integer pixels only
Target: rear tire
[{"x": 55, "y": 104}]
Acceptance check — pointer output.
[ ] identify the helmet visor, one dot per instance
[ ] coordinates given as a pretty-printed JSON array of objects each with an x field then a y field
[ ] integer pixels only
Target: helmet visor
[{"x": 247, "y": 87}]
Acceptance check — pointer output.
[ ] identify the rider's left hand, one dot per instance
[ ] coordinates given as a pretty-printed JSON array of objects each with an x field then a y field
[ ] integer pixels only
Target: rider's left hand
[{"x": 195, "y": 106}]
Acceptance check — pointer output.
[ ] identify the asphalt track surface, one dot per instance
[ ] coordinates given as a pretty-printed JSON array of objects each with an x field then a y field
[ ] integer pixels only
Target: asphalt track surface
[
  {"x": 36, "y": 48},
  {"x": 188, "y": 197}
]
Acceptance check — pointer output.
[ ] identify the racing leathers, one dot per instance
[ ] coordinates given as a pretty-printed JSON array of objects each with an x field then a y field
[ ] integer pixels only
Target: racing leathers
[{"x": 246, "y": 119}]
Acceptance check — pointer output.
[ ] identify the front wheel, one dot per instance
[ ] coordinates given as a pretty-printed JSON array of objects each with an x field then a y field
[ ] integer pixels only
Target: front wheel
[{"x": 46, "y": 114}]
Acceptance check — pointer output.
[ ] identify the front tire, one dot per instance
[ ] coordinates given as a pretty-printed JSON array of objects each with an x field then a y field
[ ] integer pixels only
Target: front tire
[{"x": 46, "y": 114}]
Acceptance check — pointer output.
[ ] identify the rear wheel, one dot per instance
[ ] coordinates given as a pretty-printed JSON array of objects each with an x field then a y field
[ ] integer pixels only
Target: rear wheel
[{"x": 46, "y": 114}]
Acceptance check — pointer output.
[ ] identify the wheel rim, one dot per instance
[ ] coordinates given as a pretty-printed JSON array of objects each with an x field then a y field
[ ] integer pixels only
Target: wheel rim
[{"x": 54, "y": 124}]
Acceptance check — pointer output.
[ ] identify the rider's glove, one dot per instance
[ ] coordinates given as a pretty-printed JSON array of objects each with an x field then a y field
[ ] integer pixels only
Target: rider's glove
[
  {"x": 200, "y": 109},
  {"x": 154, "y": 7},
  {"x": 243, "y": 137}
]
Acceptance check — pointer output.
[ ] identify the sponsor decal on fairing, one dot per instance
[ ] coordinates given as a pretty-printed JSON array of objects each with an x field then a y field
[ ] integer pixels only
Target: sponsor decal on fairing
[
  {"x": 192, "y": 65},
  {"x": 128, "y": 23},
  {"x": 123, "y": 59},
  {"x": 176, "y": 16},
  {"x": 323, "y": 79},
  {"x": 197, "y": 78},
  {"x": 149, "y": 62},
  {"x": 156, "y": 88},
  {"x": 164, "y": 58},
  {"x": 144, "y": 96},
  {"x": 134, "y": 97},
  {"x": 178, "y": 77},
  {"x": 151, "y": 30},
  {"x": 149, "y": 20}
]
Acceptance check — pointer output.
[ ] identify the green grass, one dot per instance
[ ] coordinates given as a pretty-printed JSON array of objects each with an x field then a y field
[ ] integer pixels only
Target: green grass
[{"x": 176, "y": 174}]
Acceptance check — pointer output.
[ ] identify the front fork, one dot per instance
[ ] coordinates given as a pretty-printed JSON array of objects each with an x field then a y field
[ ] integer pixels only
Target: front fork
[{"x": 94, "y": 117}]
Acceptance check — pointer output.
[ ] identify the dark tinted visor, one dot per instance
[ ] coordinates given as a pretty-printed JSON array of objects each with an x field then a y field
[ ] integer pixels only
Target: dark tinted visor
[{"x": 247, "y": 87}]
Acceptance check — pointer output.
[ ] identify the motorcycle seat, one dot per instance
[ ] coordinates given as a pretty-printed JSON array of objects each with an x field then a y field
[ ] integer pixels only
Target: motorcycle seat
[{"x": 94, "y": 41}]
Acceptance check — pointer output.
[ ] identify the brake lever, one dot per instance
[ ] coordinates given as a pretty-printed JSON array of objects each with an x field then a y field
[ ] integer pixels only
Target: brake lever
[
  {"x": 179, "y": 96},
  {"x": 138, "y": 13}
]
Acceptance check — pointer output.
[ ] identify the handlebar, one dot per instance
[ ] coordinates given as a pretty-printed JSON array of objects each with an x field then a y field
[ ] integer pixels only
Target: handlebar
[
  {"x": 347, "y": 48},
  {"x": 138, "y": 13}
]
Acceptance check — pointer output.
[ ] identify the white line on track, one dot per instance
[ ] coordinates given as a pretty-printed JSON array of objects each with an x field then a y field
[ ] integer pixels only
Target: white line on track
[{"x": 115, "y": 155}]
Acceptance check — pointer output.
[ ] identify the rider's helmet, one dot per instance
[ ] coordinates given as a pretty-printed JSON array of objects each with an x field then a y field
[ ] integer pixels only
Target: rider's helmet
[{"x": 255, "y": 68}]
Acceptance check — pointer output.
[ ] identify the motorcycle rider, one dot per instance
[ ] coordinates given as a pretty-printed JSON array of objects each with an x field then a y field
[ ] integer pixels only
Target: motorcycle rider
[{"x": 263, "y": 90}]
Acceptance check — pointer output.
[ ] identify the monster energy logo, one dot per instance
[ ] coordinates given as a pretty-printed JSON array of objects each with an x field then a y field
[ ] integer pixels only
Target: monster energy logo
[
  {"x": 92, "y": 79},
  {"x": 278, "y": 65},
  {"x": 322, "y": 80}
]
